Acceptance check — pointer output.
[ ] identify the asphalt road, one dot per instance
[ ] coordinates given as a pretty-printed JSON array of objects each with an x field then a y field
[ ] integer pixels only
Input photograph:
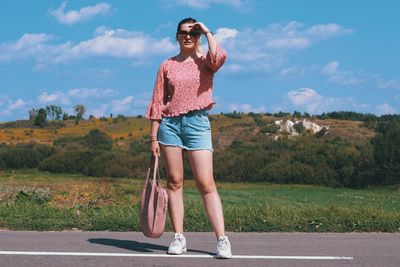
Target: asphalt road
[{"x": 249, "y": 249}]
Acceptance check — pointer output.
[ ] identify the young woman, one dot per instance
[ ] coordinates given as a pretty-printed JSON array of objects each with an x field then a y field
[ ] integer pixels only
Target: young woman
[{"x": 178, "y": 112}]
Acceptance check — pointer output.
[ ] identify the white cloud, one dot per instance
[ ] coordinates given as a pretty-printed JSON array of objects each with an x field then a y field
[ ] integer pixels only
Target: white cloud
[
  {"x": 327, "y": 30},
  {"x": 106, "y": 42},
  {"x": 345, "y": 77},
  {"x": 309, "y": 100},
  {"x": 266, "y": 50},
  {"x": 284, "y": 43},
  {"x": 203, "y": 4},
  {"x": 28, "y": 45},
  {"x": 223, "y": 34},
  {"x": 84, "y": 14},
  {"x": 385, "y": 109},
  {"x": 11, "y": 107},
  {"x": 303, "y": 96},
  {"x": 391, "y": 84},
  {"x": 293, "y": 71},
  {"x": 246, "y": 108},
  {"x": 122, "y": 105},
  {"x": 91, "y": 92},
  {"x": 331, "y": 68},
  {"x": 56, "y": 97},
  {"x": 129, "y": 105},
  {"x": 233, "y": 68},
  {"x": 95, "y": 74},
  {"x": 99, "y": 111}
]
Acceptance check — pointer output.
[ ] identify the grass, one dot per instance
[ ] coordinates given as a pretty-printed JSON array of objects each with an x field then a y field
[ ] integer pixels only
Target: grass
[{"x": 32, "y": 200}]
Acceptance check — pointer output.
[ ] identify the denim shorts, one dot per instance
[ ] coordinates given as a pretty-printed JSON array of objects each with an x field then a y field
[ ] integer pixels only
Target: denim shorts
[{"x": 190, "y": 131}]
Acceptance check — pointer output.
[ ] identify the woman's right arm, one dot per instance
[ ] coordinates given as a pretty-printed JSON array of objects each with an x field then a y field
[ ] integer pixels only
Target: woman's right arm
[
  {"x": 154, "y": 111},
  {"x": 154, "y": 146}
]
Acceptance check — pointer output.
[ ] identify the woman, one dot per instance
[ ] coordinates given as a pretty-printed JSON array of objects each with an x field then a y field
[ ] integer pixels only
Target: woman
[{"x": 178, "y": 112}]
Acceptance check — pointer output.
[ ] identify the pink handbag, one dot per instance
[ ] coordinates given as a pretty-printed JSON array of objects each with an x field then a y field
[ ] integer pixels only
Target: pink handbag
[{"x": 153, "y": 203}]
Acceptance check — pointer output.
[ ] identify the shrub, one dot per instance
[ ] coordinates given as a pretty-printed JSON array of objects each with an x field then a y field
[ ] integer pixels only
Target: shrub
[
  {"x": 299, "y": 127},
  {"x": 97, "y": 139},
  {"x": 35, "y": 196},
  {"x": 234, "y": 115},
  {"x": 111, "y": 163},
  {"x": 25, "y": 155},
  {"x": 269, "y": 128},
  {"x": 40, "y": 119},
  {"x": 73, "y": 161},
  {"x": 69, "y": 142},
  {"x": 387, "y": 153}
]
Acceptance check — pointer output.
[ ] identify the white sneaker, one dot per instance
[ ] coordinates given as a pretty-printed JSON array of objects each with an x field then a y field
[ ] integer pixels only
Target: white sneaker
[
  {"x": 223, "y": 248},
  {"x": 178, "y": 245}
]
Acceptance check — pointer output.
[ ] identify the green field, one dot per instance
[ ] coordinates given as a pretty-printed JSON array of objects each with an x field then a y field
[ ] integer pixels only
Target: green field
[{"x": 32, "y": 200}]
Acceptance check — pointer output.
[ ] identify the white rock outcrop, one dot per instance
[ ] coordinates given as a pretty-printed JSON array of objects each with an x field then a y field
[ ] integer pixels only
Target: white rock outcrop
[{"x": 287, "y": 126}]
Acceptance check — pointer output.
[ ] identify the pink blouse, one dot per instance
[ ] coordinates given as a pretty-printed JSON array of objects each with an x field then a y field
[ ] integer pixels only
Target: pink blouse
[{"x": 184, "y": 86}]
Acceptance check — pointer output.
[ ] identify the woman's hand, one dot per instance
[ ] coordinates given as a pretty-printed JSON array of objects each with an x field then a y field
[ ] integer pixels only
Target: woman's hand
[
  {"x": 200, "y": 27},
  {"x": 155, "y": 149},
  {"x": 212, "y": 43}
]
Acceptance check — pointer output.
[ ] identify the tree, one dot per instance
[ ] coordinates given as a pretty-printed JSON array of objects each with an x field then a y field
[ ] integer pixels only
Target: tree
[
  {"x": 97, "y": 139},
  {"x": 79, "y": 111},
  {"x": 33, "y": 113},
  {"x": 65, "y": 116},
  {"x": 387, "y": 153},
  {"x": 54, "y": 112},
  {"x": 296, "y": 114},
  {"x": 40, "y": 119}
]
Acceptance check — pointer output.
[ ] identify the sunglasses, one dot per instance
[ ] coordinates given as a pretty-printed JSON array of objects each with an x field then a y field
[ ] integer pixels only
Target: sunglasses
[{"x": 193, "y": 34}]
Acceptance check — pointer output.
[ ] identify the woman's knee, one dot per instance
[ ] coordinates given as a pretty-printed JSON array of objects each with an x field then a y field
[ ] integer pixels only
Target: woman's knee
[
  {"x": 206, "y": 187},
  {"x": 175, "y": 182}
]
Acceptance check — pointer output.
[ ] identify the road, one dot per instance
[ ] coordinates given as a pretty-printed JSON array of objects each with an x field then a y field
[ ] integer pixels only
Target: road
[{"x": 73, "y": 248}]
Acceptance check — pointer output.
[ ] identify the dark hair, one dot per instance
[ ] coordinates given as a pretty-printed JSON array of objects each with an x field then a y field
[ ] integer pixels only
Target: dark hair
[{"x": 186, "y": 20}]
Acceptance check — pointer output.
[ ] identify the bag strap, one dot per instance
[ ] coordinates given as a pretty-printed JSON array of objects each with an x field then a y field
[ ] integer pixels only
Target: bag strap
[{"x": 156, "y": 170}]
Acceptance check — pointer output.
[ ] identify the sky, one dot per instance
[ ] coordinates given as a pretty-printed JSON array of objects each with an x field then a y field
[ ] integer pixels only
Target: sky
[{"x": 305, "y": 55}]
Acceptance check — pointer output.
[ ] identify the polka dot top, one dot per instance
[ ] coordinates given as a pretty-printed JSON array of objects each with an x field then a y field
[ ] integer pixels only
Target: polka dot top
[{"x": 182, "y": 86}]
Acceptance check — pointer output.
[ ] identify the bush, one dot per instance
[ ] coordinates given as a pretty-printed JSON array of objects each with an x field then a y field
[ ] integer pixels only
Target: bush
[
  {"x": 112, "y": 164},
  {"x": 97, "y": 139},
  {"x": 25, "y": 155},
  {"x": 69, "y": 142},
  {"x": 299, "y": 127},
  {"x": 138, "y": 146},
  {"x": 234, "y": 115},
  {"x": 35, "y": 196},
  {"x": 74, "y": 161},
  {"x": 269, "y": 128},
  {"x": 387, "y": 153}
]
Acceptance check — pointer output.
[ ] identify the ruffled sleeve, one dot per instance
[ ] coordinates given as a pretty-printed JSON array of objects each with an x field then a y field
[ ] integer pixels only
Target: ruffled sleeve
[
  {"x": 215, "y": 63},
  {"x": 156, "y": 104}
]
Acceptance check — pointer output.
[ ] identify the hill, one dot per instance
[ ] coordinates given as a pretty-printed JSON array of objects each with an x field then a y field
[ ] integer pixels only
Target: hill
[
  {"x": 123, "y": 130},
  {"x": 279, "y": 148}
]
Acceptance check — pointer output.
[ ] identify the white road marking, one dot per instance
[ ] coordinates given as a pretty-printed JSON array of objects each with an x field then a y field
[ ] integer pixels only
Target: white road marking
[{"x": 95, "y": 254}]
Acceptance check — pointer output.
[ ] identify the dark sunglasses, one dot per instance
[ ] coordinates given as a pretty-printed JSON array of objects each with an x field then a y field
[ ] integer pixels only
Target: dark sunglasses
[{"x": 193, "y": 34}]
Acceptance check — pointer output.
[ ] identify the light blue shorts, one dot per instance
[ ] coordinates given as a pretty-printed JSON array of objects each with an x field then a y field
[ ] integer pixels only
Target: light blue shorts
[{"x": 190, "y": 131}]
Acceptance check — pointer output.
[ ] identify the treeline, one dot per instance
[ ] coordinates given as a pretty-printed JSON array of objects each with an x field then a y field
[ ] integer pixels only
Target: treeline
[
  {"x": 40, "y": 116},
  {"x": 303, "y": 160},
  {"x": 339, "y": 115},
  {"x": 90, "y": 155}
]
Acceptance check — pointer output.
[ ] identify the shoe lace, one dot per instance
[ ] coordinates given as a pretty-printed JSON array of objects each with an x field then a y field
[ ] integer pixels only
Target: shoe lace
[
  {"x": 177, "y": 240},
  {"x": 222, "y": 242}
]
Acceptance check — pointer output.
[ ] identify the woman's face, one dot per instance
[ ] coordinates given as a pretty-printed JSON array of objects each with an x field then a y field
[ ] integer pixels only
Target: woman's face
[{"x": 187, "y": 36}]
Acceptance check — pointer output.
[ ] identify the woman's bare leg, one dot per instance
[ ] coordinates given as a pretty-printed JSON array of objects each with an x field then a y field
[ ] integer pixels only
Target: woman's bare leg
[
  {"x": 201, "y": 162},
  {"x": 173, "y": 160}
]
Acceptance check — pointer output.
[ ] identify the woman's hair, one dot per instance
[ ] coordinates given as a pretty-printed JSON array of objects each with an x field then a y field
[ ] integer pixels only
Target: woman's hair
[{"x": 189, "y": 20}]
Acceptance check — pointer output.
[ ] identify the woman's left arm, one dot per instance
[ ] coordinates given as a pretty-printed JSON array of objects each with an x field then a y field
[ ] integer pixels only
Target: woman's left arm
[
  {"x": 216, "y": 55},
  {"x": 212, "y": 43}
]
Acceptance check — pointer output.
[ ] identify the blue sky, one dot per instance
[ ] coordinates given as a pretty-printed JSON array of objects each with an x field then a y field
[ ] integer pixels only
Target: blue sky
[{"x": 312, "y": 56}]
